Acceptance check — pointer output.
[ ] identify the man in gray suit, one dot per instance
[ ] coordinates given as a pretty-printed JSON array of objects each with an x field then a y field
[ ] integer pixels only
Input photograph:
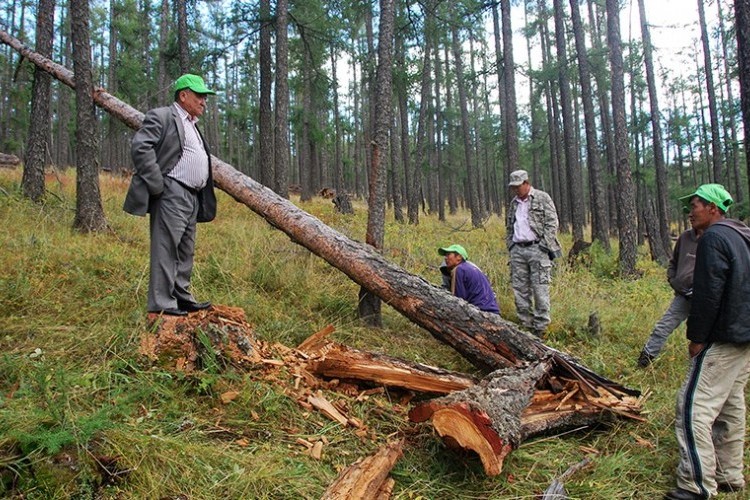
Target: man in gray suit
[{"x": 173, "y": 183}]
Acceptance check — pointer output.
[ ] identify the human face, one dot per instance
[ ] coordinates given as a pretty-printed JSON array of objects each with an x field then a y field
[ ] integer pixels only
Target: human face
[
  {"x": 522, "y": 190},
  {"x": 194, "y": 104},
  {"x": 452, "y": 259},
  {"x": 702, "y": 214}
]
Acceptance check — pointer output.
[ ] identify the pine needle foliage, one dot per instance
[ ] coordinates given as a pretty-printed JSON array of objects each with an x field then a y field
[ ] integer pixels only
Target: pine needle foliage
[{"x": 82, "y": 415}]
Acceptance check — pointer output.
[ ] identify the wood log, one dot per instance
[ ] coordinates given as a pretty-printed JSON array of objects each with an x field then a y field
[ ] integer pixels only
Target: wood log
[
  {"x": 331, "y": 360},
  {"x": 367, "y": 479}
]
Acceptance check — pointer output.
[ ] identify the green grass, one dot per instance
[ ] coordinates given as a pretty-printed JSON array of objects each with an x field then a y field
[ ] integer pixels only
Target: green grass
[{"x": 74, "y": 391}]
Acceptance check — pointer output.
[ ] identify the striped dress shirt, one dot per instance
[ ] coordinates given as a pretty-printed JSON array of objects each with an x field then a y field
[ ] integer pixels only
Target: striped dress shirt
[{"x": 192, "y": 168}]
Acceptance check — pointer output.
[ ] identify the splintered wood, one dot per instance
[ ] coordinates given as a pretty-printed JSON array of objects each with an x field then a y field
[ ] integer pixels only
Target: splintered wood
[{"x": 367, "y": 479}]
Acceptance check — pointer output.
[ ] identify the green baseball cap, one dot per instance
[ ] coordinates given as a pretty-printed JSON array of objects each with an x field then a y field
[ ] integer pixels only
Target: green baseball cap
[
  {"x": 454, "y": 249},
  {"x": 710, "y": 193},
  {"x": 192, "y": 82}
]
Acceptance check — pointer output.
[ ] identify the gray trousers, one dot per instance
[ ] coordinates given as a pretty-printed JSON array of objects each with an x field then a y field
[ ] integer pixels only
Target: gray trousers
[
  {"x": 173, "y": 219},
  {"x": 530, "y": 276},
  {"x": 710, "y": 419},
  {"x": 676, "y": 313}
]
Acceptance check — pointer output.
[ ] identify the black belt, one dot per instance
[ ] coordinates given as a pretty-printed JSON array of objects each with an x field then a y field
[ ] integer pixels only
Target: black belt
[
  {"x": 527, "y": 243},
  {"x": 187, "y": 188}
]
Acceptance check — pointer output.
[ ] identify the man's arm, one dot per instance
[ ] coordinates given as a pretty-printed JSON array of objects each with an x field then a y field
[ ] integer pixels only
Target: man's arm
[{"x": 143, "y": 152}]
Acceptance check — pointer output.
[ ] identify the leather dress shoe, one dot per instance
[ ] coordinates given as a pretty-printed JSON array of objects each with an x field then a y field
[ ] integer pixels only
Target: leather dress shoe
[
  {"x": 680, "y": 494},
  {"x": 170, "y": 312},
  {"x": 193, "y": 306}
]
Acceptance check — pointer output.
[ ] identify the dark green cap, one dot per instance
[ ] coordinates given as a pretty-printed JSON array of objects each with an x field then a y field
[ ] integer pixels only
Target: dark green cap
[{"x": 710, "y": 193}]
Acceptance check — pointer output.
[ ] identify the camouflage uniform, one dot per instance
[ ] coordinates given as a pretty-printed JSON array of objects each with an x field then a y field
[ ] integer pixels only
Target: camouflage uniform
[{"x": 531, "y": 262}]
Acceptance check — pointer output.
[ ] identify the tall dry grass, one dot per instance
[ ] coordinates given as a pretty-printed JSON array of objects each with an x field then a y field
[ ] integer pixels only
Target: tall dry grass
[{"x": 73, "y": 389}]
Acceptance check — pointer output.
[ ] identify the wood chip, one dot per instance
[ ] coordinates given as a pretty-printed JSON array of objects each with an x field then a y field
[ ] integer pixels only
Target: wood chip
[
  {"x": 317, "y": 450},
  {"x": 325, "y": 406},
  {"x": 304, "y": 442},
  {"x": 273, "y": 362},
  {"x": 228, "y": 397}
]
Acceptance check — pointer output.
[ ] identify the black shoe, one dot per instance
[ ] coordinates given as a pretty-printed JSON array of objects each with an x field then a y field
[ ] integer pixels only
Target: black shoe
[
  {"x": 170, "y": 312},
  {"x": 645, "y": 359},
  {"x": 193, "y": 306},
  {"x": 680, "y": 494},
  {"x": 730, "y": 488}
]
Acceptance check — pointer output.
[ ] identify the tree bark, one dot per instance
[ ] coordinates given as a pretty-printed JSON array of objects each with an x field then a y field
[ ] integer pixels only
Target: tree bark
[
  {"x": 600, "y": 222},
  {"x": 572, "y": 165},
  {"x": 625, "y": 197},
  {"x": 662, "y": 191},
  {"x": 716, "y": 157},
  {"x": 183, "y": 44},
  {"x": 39, "y": 129},
  {"x": 281, "y": 128},
  {"x": 265, "y": 118},
  {"x": 742, "y": 25},
  {"x": 89, "y": 211},
  {"x": 472, "y": 184},
  {"x": 369, "y": 303}
]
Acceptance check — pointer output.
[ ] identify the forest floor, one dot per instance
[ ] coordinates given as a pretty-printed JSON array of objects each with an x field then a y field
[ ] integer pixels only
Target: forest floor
[{"x": 83, "y": 415}]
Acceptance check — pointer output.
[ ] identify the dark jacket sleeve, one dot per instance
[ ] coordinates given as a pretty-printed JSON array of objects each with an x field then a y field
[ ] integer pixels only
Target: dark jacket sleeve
[{"x": 712, "y": 266}]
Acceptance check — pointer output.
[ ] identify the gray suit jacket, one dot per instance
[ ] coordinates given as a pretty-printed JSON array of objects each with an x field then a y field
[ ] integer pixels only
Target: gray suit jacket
[{"x": 156, "y": 148}]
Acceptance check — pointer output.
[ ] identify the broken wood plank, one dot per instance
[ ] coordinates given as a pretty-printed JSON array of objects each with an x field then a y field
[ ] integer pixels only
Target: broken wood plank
[{"x": 367, "y": 479}]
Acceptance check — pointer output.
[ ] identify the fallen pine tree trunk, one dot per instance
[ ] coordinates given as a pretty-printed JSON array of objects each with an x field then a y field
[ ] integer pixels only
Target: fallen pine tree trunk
[{"x": 486, "y": 340}]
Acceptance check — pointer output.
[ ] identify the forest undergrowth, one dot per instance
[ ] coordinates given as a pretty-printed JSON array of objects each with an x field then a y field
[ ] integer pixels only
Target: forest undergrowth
[{"x": 82, "y": 415}]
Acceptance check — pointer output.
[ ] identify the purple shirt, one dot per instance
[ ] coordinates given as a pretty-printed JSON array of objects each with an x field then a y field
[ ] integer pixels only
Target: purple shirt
[{"x": 471, "y": 284}]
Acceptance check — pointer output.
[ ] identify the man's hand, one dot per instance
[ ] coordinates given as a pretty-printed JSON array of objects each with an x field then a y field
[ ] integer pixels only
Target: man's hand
[{"x": 695, "y": 348}]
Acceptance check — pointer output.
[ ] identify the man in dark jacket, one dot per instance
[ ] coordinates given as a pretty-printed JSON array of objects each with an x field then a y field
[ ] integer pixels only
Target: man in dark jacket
[
  {"x": 173, "y": 183},
  {"x": 680, "y": 277},
  {"x": 710, "y": 420}
]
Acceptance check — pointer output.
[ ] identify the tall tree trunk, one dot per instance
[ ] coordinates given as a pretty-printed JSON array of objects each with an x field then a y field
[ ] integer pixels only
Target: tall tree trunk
[
  {"x": 511, "y": 111},
  {"x": 38, "y": 148},
  {"x": 471, "y": 178},
  {"x": 265, "y": 118},
  {"x": 662, "y": 190},
  {"x": 89, "y": 212},
  {"x": 625, "y": 195},
  {"x": 183, "y": 38},
  {"x": 733, "y": 148},
  {"x": 63, "y": 156},
  {"x": 742, "y": 27},
  {"x": 402, "y": 137},
  {"x": 305, "y": 141},
  {"x": 572, "y": 166},
  {"x": 281, "y": 127},
  {"x": 394, "y": 182},
  {"x": 439, "y": 134},
  {"x": 369, "y": 303},
  {"x": 600, "y": 220},
  {"x": 162, "y": 71},
  {"x": 716, "y": 157},
  {"x": 602, "y": 87}
]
